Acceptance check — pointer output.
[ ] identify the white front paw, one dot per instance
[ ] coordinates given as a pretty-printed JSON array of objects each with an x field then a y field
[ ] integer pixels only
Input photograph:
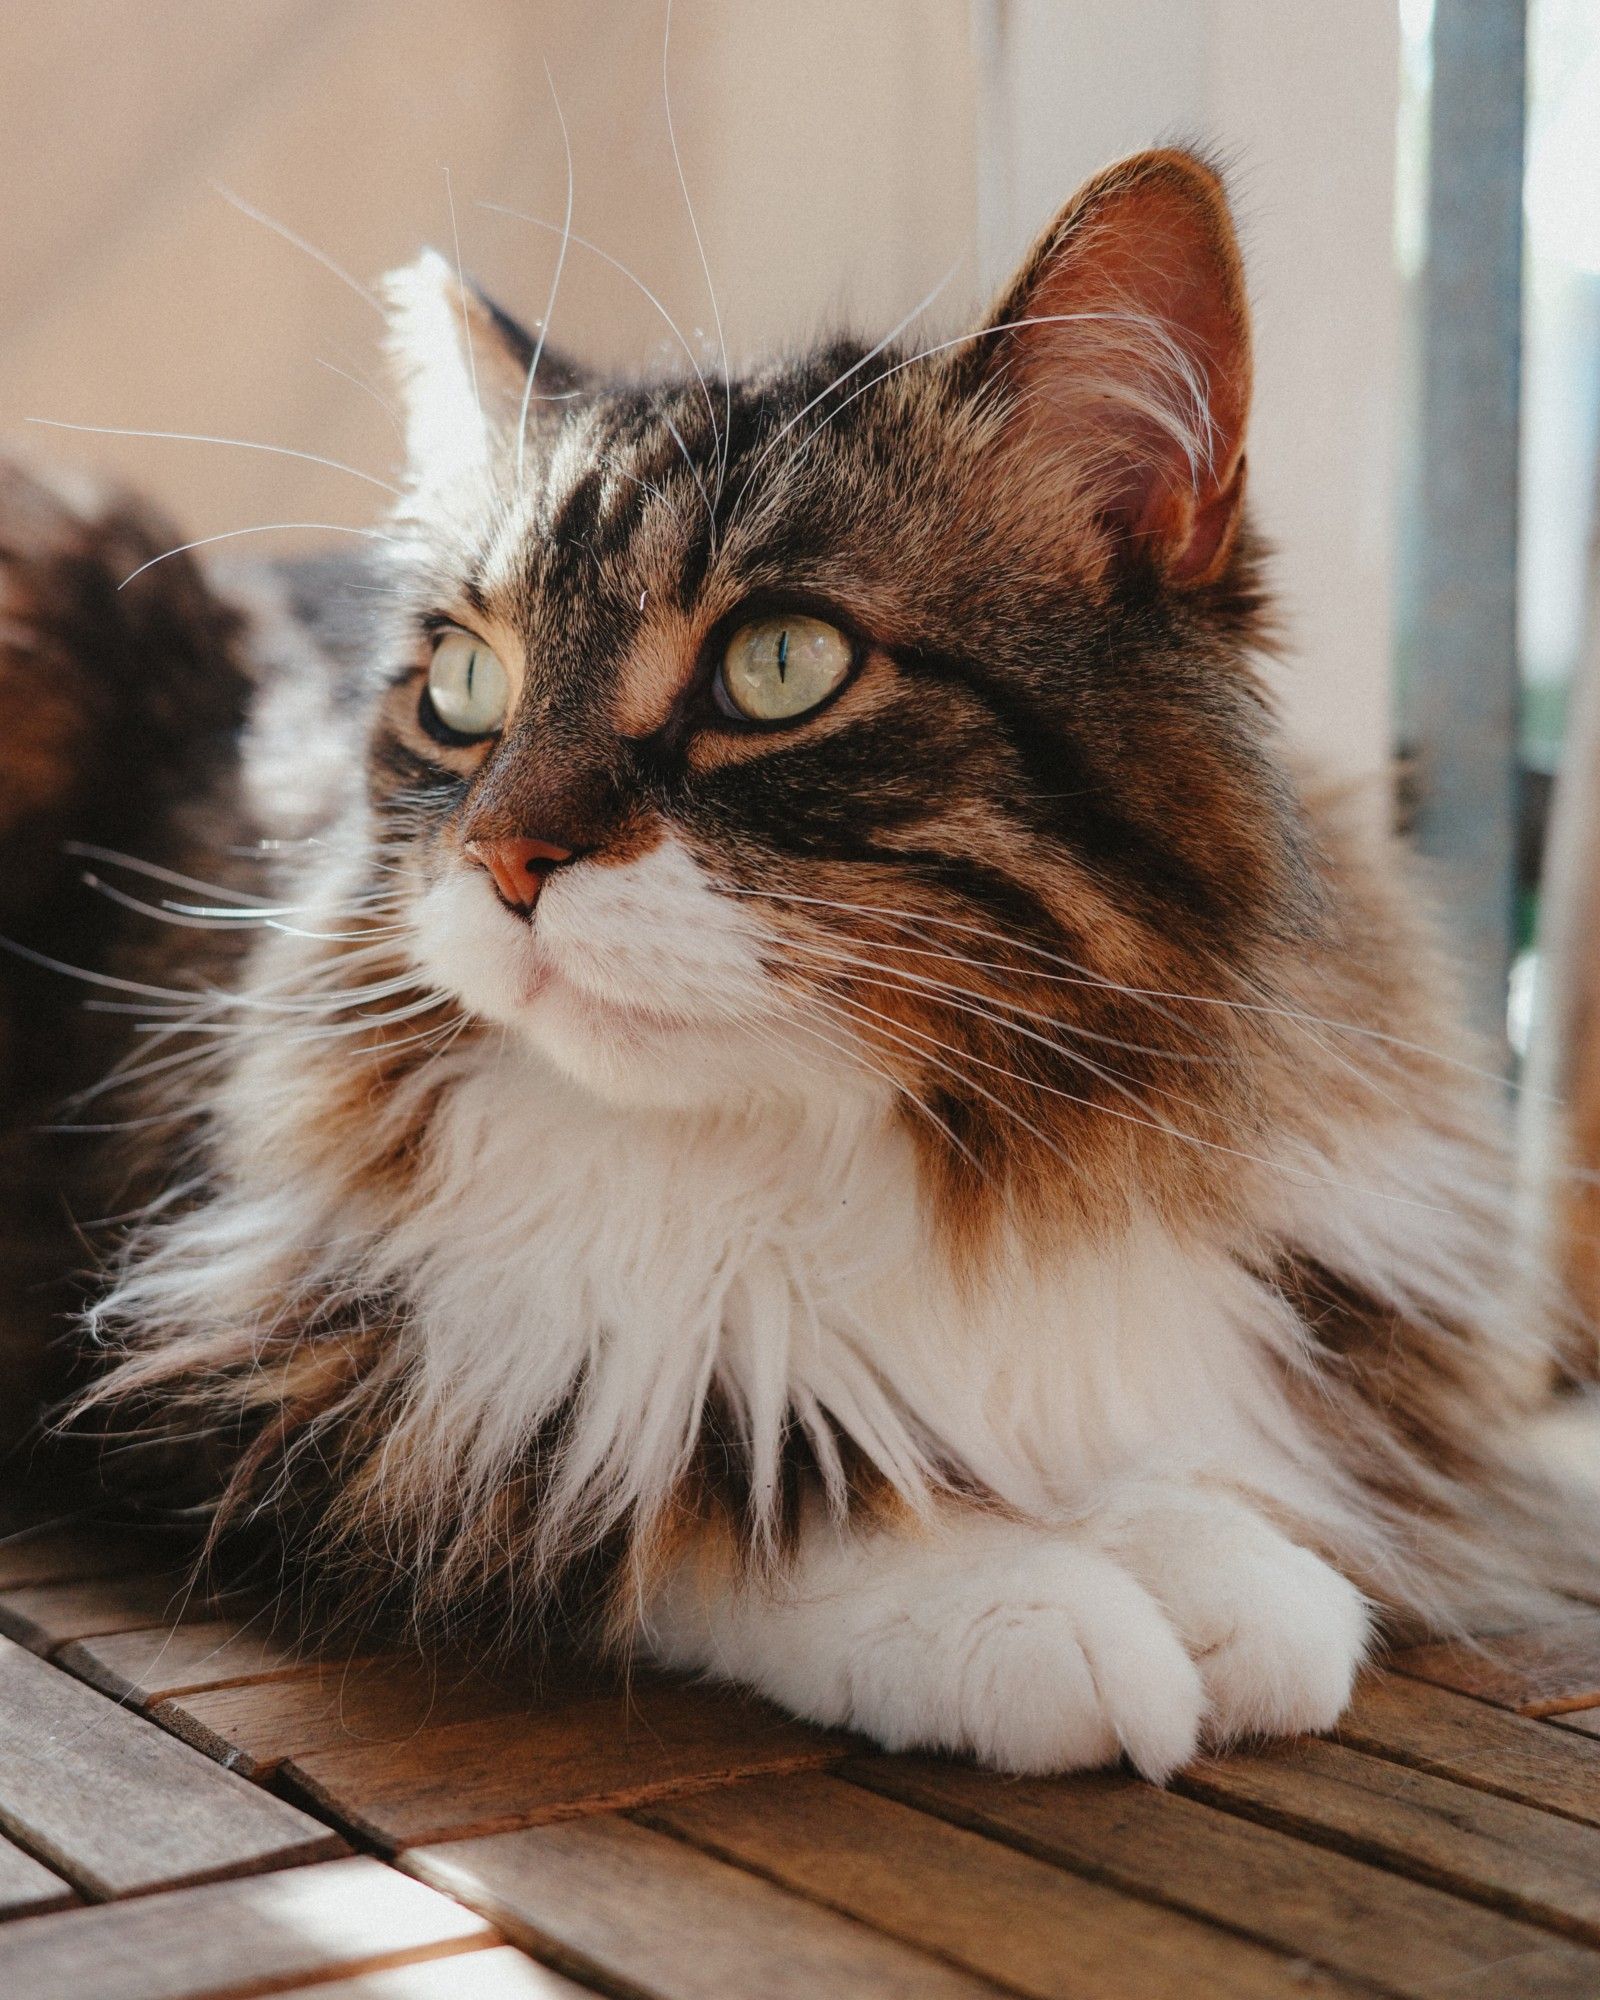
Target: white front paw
[
  {"x": 1029, "y": 1652},
  {"x": 1277, "y": 1633},
  {"x": 1173, "y": 1617}
]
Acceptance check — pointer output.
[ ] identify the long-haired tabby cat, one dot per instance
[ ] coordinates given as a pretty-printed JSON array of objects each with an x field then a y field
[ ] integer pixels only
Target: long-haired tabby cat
[{"x": 796, "y": 1079}]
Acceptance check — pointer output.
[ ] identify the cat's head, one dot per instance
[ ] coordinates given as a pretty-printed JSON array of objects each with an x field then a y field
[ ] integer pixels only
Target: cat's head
[{"x": 880, "y": 720}]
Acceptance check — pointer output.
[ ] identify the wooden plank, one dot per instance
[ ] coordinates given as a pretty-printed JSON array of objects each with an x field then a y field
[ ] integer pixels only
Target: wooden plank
[
  {"x": 1437, "y": 1730},
  {"x": 155, "y": 1662},
  {"x": 117, "y": 1805},
  {"x": 236, "y": 1938},
  {"x": 1585, "y": 1720},
  {"x": 43, "y": 1616},
  {"x": 621, "y": 1904},
  {"x": 500, "y": 1974},
  {"x": 1539, "y": 1672},
  {"x": 51, "y": 1554},
  {"x": 1001, "y": 1914},
  {"x": 27, "y": 1887},
  {"x": 1404, "y": 1937},
  {"x": 256, "y": 1726},
  {"x": 1492, "y": 1849},
  {"x": 580, "y": 1752}
]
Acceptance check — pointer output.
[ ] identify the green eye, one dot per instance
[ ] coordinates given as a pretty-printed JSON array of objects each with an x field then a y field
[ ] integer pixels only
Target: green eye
[
  {"x": 778, "y": 668},
  {"x": 467, "y": 686}
]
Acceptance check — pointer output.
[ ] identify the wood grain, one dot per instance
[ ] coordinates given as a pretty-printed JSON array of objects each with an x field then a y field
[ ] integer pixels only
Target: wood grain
[
  {"x": 27, "y": 1887},
  {"x": 1452, "y": 1736},
  {"x": 156, "y": 1662},
  {"x": 1538, "y": 1672},
  {"x": 256, "y": 1726},
  {"x": 116, "y": 1805},
  {"x": 501, "y": 1974},
  {"x": 1404, "y": 1937},
  {"x": 43, "y": 1616},
  {"x": 1493, "y": 1849},
  {"x": 579, "y": 1752},
  {"x": 627, "y": 1906},
  {"x": 231, "y": 1939},
  {"x": 1018, "y": 1921},
  {"x": 64, "y": 1554}
]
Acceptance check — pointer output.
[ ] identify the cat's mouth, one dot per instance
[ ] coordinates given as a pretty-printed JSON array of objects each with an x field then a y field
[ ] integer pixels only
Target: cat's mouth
[{"x": 558, "y": 980}]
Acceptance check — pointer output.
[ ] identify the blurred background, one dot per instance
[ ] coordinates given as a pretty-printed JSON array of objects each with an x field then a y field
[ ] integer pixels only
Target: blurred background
[{"x": 1418, "y": 183}]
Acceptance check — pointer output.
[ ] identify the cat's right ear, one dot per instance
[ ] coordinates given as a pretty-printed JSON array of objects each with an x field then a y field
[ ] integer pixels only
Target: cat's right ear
[
  {"x": 1117, "y": 365},
  {"x": 463, "y": 369}
]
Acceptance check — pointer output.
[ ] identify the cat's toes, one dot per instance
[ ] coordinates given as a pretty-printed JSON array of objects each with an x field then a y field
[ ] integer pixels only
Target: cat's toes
[
  {"x": 1276, "y": 1633},
  {"x": 1048, "y": 1658}
]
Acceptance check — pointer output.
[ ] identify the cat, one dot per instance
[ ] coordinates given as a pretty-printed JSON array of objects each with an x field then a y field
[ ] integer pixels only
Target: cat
[{"x": 759, "y": 1050}]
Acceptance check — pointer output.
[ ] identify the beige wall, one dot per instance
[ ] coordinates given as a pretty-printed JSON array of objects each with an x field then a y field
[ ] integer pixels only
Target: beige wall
[
  {"x": 842, "y": 156},
  {"x": 1300, "y": 103},
  {"x": 828, "y": 146}
]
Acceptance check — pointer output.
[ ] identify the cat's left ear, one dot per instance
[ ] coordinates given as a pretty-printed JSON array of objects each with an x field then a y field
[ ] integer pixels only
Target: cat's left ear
[
  {"x": 1119, "y": 361},
  {"x": 462, "y": 366}
]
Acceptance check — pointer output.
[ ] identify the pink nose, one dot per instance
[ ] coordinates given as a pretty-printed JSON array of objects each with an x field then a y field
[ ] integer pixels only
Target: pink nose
[{"x": 518, "y": 868}]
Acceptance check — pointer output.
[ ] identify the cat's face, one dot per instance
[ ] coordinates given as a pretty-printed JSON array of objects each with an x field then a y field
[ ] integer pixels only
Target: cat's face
[{"x": 871, "y": 723}]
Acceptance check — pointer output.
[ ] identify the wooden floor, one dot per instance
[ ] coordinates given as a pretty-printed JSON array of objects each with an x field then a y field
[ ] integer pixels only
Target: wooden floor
[{"x": 191, "y": 1810}]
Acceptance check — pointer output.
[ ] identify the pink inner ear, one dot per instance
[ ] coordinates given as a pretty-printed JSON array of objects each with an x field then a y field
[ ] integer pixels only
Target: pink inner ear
[{"x": 1137, "y": 366}]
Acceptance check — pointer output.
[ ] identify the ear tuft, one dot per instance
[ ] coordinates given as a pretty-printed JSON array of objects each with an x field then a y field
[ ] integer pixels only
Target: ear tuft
[
  {"x": 1121, "y": 354},
  {"x": 462, "y": 366},
  {"x": 447, "y": 431}
]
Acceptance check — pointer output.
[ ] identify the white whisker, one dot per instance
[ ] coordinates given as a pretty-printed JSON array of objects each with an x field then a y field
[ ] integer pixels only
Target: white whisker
[
  {"x": 204, "y": 437},
  {"x": 267, "y": 528},
  {"x": 1298, "y": 1175},
  {"x": 234, "y": 920},
  {"x": 299, "y": 243},
  {"x": 924, "y": 981},
  {"x": 854, "y": 1052},
  {"x": 106, "y": 979},
  {"x": 555, "y": 287},
  {"x": 883, "y": 1026},
  {"x": 711, "y": 292},
  {"x": 583, "y": 243},
  {"x": 227, "y": 919},
  {"x": 88, "y": 851},
  {"x": 839, "y": 380},
  {"x": 356, "y": 382},
  {"x": 677, "y": 439},
  {"x": 1135, "y": 1090},
  {"x": 466, "y": 316},
  {"x": 1082, "y": 976}
]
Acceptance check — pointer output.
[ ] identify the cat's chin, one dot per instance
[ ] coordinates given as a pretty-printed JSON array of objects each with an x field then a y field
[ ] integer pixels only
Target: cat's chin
[
  {"x": 629, "y": 1055},
  {"x": 623, "y": 984}
]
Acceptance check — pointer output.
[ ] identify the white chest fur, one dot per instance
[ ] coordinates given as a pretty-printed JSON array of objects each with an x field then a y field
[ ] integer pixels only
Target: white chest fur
[{"x": 620, "y": 1265}]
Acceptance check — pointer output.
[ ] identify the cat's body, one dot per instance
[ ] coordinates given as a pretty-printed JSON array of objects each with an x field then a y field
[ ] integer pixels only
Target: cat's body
[{"x": 957, "y": 1201}]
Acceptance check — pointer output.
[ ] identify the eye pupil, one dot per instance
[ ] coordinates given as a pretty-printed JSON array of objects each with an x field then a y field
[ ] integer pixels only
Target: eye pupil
[{"x": 779, "y": 669}]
